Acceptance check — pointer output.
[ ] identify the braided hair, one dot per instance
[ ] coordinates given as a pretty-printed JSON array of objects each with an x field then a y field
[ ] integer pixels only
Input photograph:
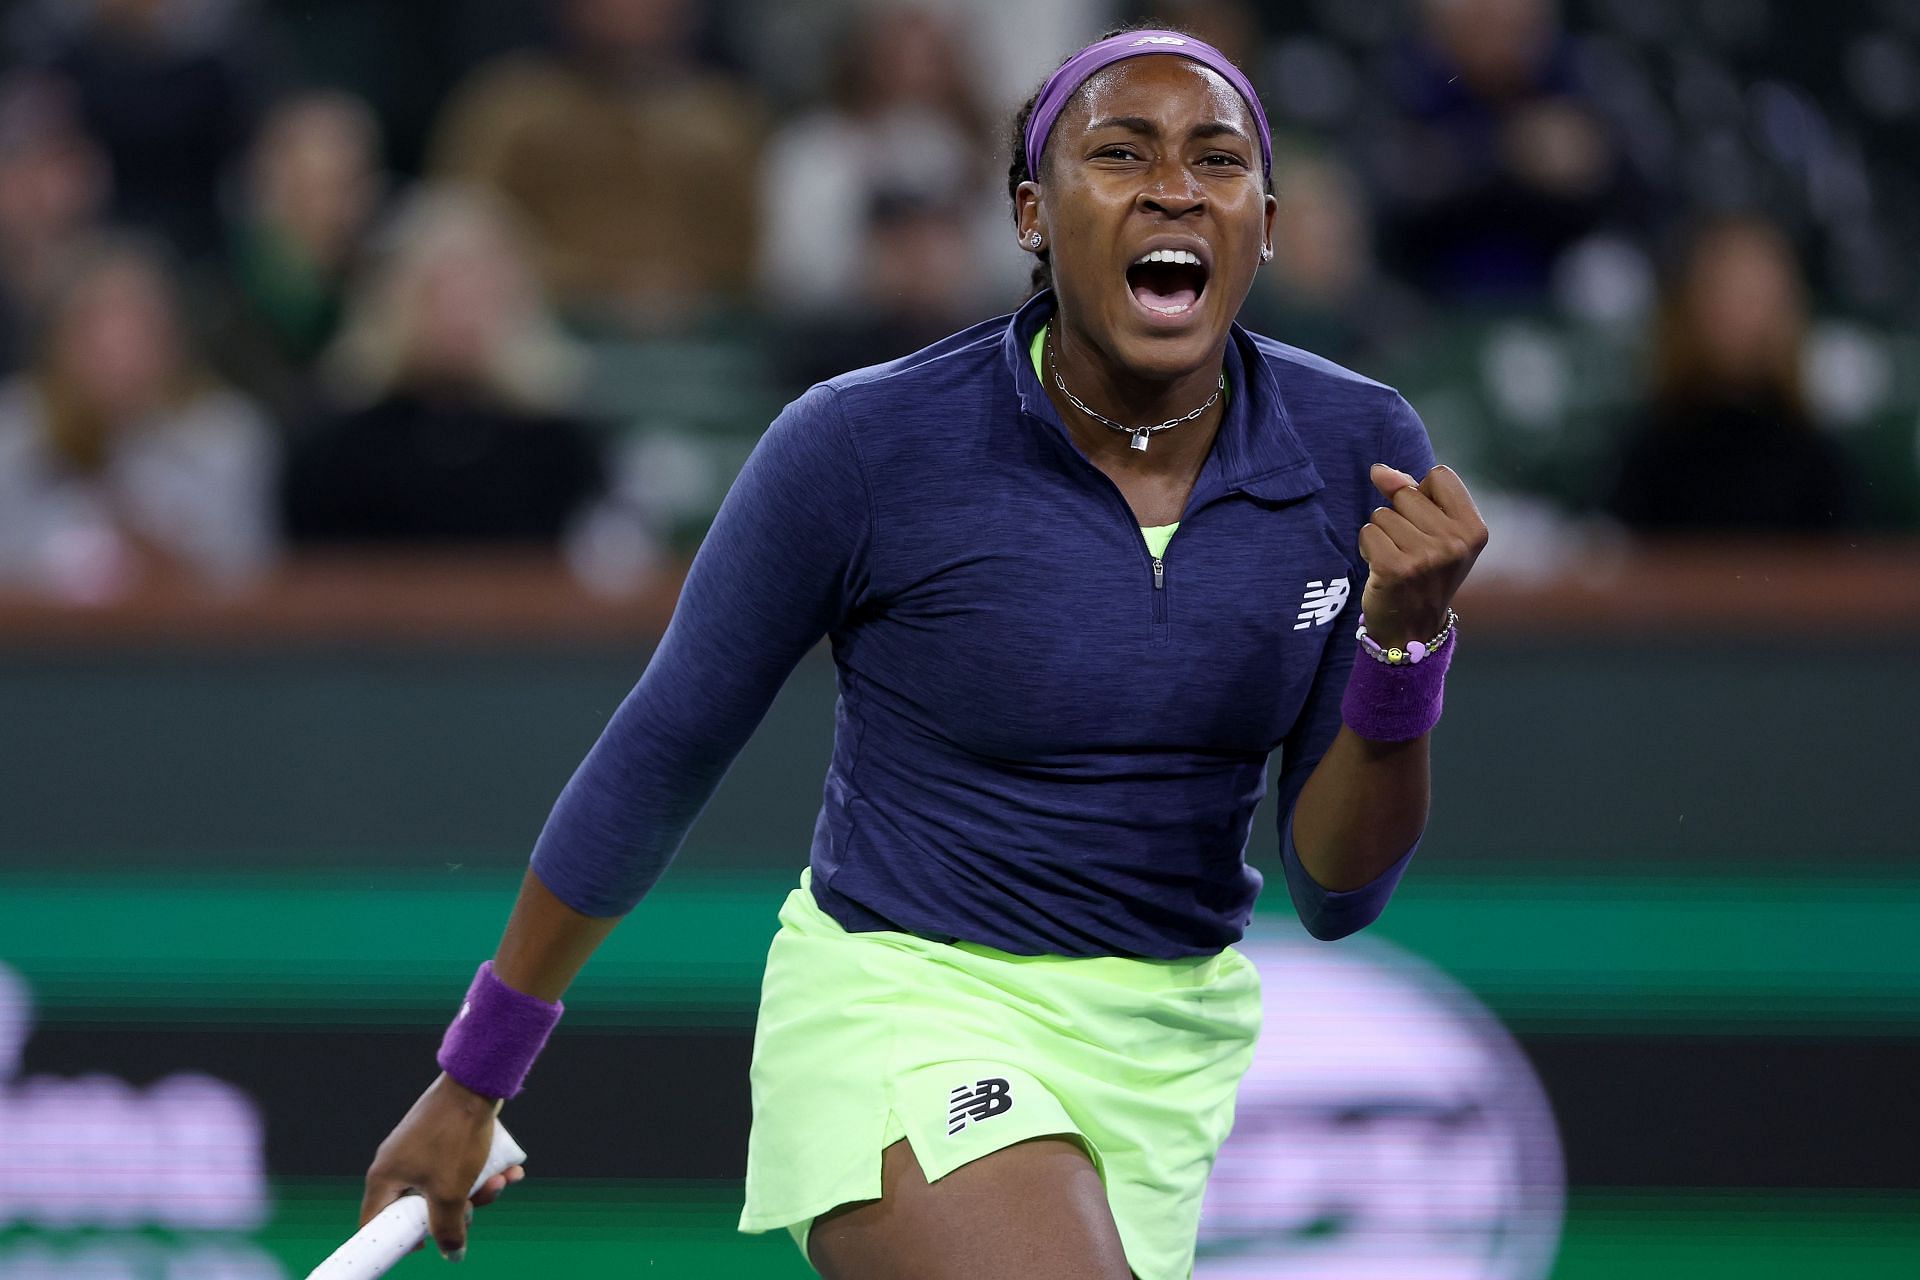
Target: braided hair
[{"x": 1017, "y": 173}]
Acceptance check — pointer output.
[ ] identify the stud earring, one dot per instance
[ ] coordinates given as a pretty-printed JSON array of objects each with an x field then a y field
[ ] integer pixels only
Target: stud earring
[
  {"x": 1266, "y": 253},
  {"x": 1033, "y": 240}
]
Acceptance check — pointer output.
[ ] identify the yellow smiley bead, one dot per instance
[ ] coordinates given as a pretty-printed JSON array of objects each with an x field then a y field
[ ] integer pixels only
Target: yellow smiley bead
[{"x": 1396, "y": 655}]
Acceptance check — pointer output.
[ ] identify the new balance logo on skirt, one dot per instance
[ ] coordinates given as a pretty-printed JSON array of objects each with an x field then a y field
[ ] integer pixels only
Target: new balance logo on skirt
[
  {"x": 980, "y": 1101},
  {"x": 1323, "y": 602}
]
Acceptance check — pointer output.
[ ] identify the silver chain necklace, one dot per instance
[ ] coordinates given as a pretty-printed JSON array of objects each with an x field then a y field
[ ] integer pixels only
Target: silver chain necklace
[{"x": 1139, "y": 434}]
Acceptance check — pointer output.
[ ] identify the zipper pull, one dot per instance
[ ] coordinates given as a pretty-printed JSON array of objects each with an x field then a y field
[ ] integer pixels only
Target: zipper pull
[{"x": 1159, "y": 574}]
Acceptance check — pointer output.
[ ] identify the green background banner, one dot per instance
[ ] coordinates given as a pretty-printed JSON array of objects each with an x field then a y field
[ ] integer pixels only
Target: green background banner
[{"x": 1682, "y": 952}]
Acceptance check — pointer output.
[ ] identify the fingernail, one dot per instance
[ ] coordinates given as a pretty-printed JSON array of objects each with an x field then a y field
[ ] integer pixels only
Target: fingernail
[{"x": 458, "y": 1255}]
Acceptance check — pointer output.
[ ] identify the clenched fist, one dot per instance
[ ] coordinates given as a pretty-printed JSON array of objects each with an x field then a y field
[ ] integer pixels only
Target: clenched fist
[{"x": 1418, "y": 551}]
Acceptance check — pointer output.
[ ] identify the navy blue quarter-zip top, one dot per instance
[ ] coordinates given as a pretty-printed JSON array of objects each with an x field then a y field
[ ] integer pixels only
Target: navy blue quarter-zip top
[{"x": 1023, "y": 756}]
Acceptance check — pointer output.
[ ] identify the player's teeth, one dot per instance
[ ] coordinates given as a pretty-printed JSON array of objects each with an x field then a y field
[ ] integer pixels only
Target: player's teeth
[{"x": 1184, "y": 256}]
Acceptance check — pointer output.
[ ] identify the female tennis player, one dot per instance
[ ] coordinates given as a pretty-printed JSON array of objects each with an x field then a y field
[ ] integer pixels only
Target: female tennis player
[{"x": 1084, "y": 569}]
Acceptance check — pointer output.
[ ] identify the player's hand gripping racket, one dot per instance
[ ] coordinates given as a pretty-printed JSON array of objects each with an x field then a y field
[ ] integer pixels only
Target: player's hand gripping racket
[{"x": 391, "y": 1234}]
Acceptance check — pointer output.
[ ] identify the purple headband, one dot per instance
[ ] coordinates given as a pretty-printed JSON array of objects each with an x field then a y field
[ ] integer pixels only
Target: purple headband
[{"x": 1078, "y": 69}]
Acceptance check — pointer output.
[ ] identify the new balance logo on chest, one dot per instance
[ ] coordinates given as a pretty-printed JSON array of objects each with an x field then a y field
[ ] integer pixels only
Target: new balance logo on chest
[
  {"x": 1322, "y": 603},
  {"x": 983, "y": 1100}
]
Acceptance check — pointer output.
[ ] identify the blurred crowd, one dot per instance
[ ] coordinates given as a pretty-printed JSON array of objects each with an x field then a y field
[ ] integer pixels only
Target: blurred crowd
[{"x": 289, "y": 273}]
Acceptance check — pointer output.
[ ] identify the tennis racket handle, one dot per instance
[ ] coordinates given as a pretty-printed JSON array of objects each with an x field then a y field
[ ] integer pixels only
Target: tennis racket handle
[{"x": 391, "y": 1234}]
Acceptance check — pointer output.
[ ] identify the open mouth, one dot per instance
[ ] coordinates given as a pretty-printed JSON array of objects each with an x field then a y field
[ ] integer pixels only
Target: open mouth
[{"x": 1168, "y": 282}]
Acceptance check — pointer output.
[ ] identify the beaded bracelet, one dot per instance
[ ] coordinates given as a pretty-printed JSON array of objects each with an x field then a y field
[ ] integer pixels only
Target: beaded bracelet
[
  {"x": 1394, "y": 655},
  {"x": 1398, "y": 696}
]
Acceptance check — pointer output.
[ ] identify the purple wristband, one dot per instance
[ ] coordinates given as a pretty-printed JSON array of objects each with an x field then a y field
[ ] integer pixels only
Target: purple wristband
[
  {"x": 1389, "y": 703},
  {"x": 495, "y": 1037}
]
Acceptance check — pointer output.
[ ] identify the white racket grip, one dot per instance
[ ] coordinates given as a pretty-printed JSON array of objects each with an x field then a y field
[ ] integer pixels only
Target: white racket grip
[{"x": 391, "y": 1234}]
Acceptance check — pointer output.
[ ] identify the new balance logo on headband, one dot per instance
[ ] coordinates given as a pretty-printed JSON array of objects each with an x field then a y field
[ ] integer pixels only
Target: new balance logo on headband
[
  {"x": 976, "y": 1102},
  {"x": 1322, "y": 603},
  {"x": 1156, "y": 40}
]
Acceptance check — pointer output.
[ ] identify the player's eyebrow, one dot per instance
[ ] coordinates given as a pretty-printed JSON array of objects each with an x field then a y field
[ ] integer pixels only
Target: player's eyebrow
[
  {"x": 1142, "y": 125},
  {"x": 1132, "y": 124},
  {"x": 1219, "y": 129}
]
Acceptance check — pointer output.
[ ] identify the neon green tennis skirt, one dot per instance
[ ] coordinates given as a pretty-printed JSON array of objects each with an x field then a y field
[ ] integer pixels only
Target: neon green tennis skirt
[{"x": 867, "y": 1038}]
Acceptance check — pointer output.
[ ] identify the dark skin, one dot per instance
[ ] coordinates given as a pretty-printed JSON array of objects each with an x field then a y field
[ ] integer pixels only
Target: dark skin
[
  {"x": 440, "y": 1145},
  {"x": 1154, "y": 149}
]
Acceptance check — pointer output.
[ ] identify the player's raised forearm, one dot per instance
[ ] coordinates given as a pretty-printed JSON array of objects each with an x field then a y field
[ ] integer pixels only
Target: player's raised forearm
[
  {"x": 1363, "y": 806},
  {"x": 546, "y": 941}
]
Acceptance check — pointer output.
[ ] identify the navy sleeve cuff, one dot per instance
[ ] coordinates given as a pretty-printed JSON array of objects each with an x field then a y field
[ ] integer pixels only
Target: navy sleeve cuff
[{"x": 1333, "y": 914}]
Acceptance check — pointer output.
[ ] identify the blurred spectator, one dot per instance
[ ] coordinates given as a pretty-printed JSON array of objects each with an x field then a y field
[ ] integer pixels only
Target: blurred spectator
[
  {"x": 313, "y": 184},
  {"x": 631, "y": 165},
  {"x": 1728, "y": 443},
  {"x": 1017, "y": 43},
  {"x": 1497, "y": 162},
  {"x": 918, "y": 281},
  {"x": 1231, "y": 26},
  {"x": 459, "y": 384},
  {"x": 53, "y": 187},
  {"x": 1323, "y": 290},
  {"x": 117, "y": 452},
  {"x": 901, "y": 154},
  {"x": 167, "y": 86},
  {"x": 905, "y": 131}
]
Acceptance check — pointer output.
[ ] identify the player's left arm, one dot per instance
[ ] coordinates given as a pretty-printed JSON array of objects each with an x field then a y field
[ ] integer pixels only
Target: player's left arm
[
  {"x": 1365, "y": 804},
  {"x": 1361, "y": 811}
]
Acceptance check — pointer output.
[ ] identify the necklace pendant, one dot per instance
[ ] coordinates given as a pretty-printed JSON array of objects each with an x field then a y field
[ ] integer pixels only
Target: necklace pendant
[{"x": 1140, "y": 441}]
